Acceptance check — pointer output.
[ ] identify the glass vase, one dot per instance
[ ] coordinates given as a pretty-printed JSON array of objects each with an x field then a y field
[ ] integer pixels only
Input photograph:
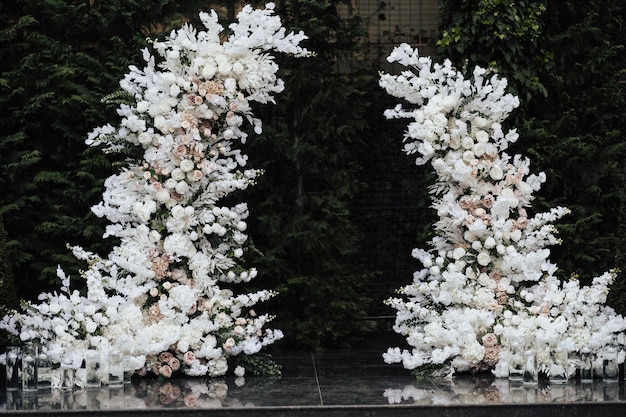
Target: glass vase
[
  {"x": 558, "y": 366},
  {"x": 516, "y": 360},
  {"x": 13, "y": 367},
  {"x": 610, "y": 367},
  {"x": 93, "y": 369},
  {"x": 530, "y": 376},
  {"x": 586, "y": 366},
  {"x": 30, "y": 361},
  {"x": 116, "y": 369},
  {"x": 44, "y": 372}
]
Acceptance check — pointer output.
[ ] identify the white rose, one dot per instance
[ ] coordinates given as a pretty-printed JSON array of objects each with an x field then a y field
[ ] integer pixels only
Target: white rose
[
  {"x": 449, "y": 102},
  {"x": 468, "y": 156},
  {"x": 142, "y": 106},
  {"x": 182, "y": 346},
  {"x": 440, "y": 120},
  {"x": 240, "y": 371},
  {"x": 90, "y": 326},
  {"x": 238, "y": 67},
  {"x": 490, "y": 242},
  {"x": 141, "y": 211},
  {"x": 178, "y": 174},
  {"x": 230, "y": 84},
  {"x": 171, "y": 183},
  {"x": 154, "y": 236},
  {"x": 145, "y": 138},
  {"x": 482, "y": 136},
  {"x": 458, "y": 253},
  {"x": 174, "y": 90},
  {"x": 208, "y": 71},
  {"x": 467, "y": 142},
  {"x": 186, "y": 165},
  {"x": 225, "y": 68},
  {"x": 160, "y": 123},
  {"x": 483, "y": 259},
  {"x": 178, "y": 212},
  {"x": 182, "y": 187},
  {"x": 496, "y": 173},
  {"x": 478, "y": 149},
  {"x": 480, "y": 122},
  {"x": 238, "y": 253},
  {"x": 163, "y": 195},
  {"x": 228, "y": 134}
]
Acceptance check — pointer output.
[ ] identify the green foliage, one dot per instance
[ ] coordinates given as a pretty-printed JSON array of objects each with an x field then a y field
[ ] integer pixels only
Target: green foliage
[
  {"x": 617, "y": 295},
  {"x": 504, "y": 34},
  {"x": 59, "y": 58},
  {"x": 8, "y": 298},
  {"x": 584, "y": 150},
  {"x": 259, "y": 364},
  {"x": 301, "y": 219},
  {"x": 565, "y": 60}
]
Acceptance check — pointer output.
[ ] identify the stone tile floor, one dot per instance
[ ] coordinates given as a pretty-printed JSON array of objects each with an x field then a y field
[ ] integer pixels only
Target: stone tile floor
[{"x": 339, "y": 378}]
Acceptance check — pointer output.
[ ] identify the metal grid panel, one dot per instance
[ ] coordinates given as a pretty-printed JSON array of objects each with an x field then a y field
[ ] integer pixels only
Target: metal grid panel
[
  {"x": 396, "y": 21},
  {"x": 392, "y": 22}
]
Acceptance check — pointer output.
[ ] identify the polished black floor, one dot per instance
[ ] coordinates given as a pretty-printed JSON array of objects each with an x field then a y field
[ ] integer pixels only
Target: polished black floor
[{"x": 341, "y": 382}]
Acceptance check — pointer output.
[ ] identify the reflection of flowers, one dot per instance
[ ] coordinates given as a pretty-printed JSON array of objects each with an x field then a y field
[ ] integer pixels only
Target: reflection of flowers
[
  {"x": 487, "y": 277},
  {"x": 470, "y": 390}
]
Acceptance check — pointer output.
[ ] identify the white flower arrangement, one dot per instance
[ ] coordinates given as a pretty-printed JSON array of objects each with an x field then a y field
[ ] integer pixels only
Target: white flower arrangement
[
  {"x": 487, "y": 278},
  {"x": 158, "y": 296}
]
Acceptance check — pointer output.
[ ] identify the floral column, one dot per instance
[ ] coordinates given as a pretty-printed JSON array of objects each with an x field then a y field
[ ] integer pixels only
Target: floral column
[
  {"x": 165, "y": 294},
  {"x": 486, "y": 277}
]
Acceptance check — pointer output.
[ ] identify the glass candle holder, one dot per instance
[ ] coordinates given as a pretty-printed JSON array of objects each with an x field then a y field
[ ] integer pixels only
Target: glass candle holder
[
  {"x": 610, "y": 367},
  {"x": 586, "y": 366},
  {"x": 116, "y": 369},
  {"x": 30, "y": 361},
  {"x": 13, "y": 367},
  {"x": 530, "y": 376},
  {"x": 93, "y": 365},
  {"x": 128, "y": 369},
  {"x": 67, "y": 374},
  {"x": 558, "y": 366},
  {"x": 516, "y": 360},
  {"x": 44, "y": 372}
]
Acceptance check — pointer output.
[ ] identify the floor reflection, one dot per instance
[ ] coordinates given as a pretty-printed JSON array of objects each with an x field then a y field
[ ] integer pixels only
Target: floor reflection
[
  {"x": 330, "y": 378},
  {"x": 476, "y": 390}
]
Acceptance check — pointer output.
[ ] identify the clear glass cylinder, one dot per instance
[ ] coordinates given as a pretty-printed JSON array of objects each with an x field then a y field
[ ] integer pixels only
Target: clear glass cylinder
[
  {"x": 44, "y": 372},
  {"x": 586, "y": 366},
  {"x": 128, "y": 369},
  {"x": 67, "y": 374},
  {"x": 516, "y": 360},
  {"x": 30, "y": 361},
  {"x": 116, "y": 369},
  {"x": 13, "y": 367},
  {"x": 93, "y": 369},
  {"x": 610, "y": 367},
  {"x": 530, "y": 376},
  {"x": 558, "y": 366}
]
